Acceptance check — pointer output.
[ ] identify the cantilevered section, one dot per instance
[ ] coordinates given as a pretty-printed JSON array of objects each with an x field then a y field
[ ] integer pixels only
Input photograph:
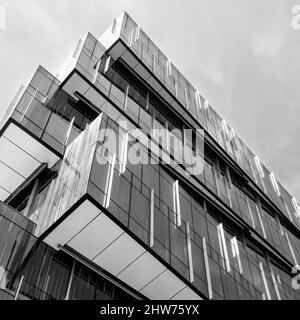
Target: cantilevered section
[
  {"x": 20, "y": 156},
  {"x": 97, "y": 237},
  {"x": 81, "y": 212}
]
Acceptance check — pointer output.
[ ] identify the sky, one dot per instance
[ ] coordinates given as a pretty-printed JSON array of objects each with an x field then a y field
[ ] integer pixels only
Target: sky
[{"x": 242, "y": 55}]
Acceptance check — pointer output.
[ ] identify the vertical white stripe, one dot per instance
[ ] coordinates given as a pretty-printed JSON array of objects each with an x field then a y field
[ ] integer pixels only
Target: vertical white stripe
[
  {"x": 152, "y": 218},
  {"x": 198, "y": 99},
  {"x": 189, "y": 251},
  {"x": 177, "y": 204},
  {"x": 130, "y": 38},
  {"x": 137, "y": 33},
  {"x": 250, "y": 213},
  {"x": 216, "y": 175},
  {"x": 225, "y": 128},
  {"x": 295, "y": 203},
  {"x": 274, "y": 183},
  {"x": 186, "y": 98},
  {"x": 264, "y": 281},
  {"x": 176, "y": 88},
  {"x": 259, "y": 167},
  {"x": 278, "y": 279},
  {"x": 296, "y": 206},
  {"x": 153, "y": 64},
  {"x": 126, "y": 97},
  {"x": 69, "y": 131},
  {"x": 46, "y": 287},
  {"x": 227, "y": 186},
  {"x": 107, "y": 63},
  {"x": 96, "y": 71},
  {"x": 123, "y": 160},
  {"x": 228, "y": 177},
  {"x": 167, "y": 137},
  {"x": 233, "y": 139},
  {"x": 174, "y": 204},
  {"x": 19, "y": 288},
  {"x": 291, "y": 248},
  {"x": 206, "y": 104},
  {"x": 110, "y": 180},
  {"x": 223, "y": 244},
  {"x": 236, "y": 253},
  {"x": 207, "y": 271},
  {"x": 260, "y": 221},
  {"x": 263, "y": 184},
  {"x": 221, "y": 249},
  {"x": 169, "y": 70},
  {"x": 147, "y": 103},
  {"x": 29, "y": 103},
  {"x": 44, "y": 99},
  {"x": 275, "y": 284},
  {"x": 70, "y": 281}
]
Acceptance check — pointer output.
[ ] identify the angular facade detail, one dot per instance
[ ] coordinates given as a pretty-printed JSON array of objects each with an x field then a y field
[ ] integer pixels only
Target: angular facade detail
[{"x": 90, "y": 209}]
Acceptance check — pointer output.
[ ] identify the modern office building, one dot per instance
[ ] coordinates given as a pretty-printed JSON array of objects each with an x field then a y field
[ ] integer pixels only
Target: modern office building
[{"x": 82, "y": 217}]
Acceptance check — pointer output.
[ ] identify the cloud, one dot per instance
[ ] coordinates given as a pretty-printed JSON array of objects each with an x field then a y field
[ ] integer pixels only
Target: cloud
[
  {"x": 29, "y": 16},
  {"x": 267, "y": 44},
  {"x": 241, "y": 55}
]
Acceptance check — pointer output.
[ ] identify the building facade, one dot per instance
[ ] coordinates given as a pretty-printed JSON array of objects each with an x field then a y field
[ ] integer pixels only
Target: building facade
[{"x": 91, "y": 209}]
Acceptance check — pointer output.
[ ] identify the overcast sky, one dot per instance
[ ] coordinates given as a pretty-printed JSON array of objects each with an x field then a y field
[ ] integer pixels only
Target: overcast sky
[{"x": 242, "y": 55}]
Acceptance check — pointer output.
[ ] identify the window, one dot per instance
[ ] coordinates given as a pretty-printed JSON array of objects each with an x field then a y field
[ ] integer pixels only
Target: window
[
  {"x": 185, "y": 204},
  {"x": 166, "y": 189},
  {"x": 161, "y": 235},
  {"x": 120, "y": 191},
  {"x": 140, "y": 208},
  {"x": 208, "y": 173},
  {"x": 199, "y": 219}
]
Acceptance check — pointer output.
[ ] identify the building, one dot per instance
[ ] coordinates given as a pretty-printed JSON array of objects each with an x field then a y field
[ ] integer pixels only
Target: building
[{"x": 81, "y": 221}]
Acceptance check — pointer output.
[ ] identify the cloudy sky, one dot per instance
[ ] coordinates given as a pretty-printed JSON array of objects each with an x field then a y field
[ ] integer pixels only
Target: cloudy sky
[{"x": 243, "y": 55}]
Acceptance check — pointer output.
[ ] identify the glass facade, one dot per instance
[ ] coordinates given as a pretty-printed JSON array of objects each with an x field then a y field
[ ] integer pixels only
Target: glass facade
[
  {"x": 32, "y": 270},
  {"x": 151, "y": 56},
  {"x": 48, "y": 111},
  {"x": 230, "y": 232},
  {"x": 84, "y": 170}
]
